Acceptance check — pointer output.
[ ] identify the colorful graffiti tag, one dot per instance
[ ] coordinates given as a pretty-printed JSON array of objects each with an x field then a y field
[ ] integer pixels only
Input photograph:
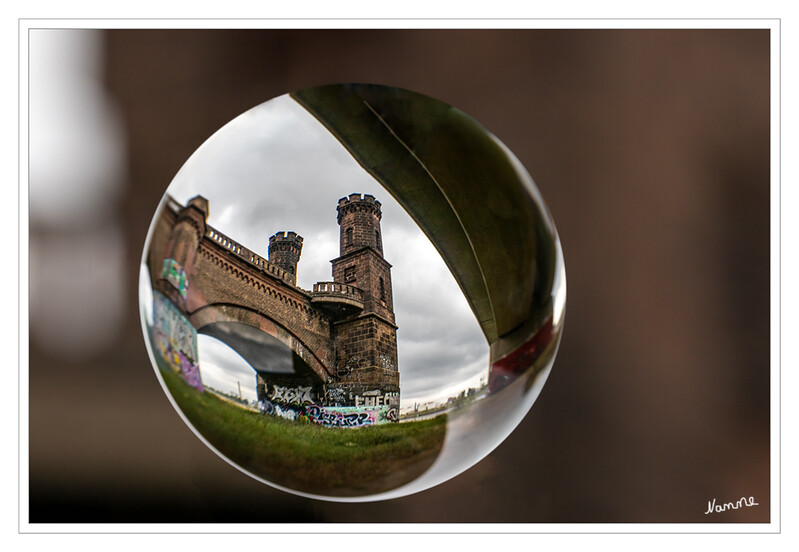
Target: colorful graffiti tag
[
  {"x": 329, "y": 416},
  {"x": 175, "y": 340},
  {"x": 173, "y": 273},
  {"x": 340, "y": 416},
  {"x": 350, "y": 416},
  {"x": 282, "y": 411},
  {"x": 190, "y": 372}
]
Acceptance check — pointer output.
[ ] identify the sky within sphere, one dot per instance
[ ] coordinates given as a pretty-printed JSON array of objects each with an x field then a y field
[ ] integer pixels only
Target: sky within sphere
[{"x": 275, "y": 168}]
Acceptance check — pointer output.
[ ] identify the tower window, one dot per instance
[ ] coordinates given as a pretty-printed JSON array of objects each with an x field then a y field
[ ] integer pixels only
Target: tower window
[
  {"x": 382, "y": 290},
  {"x": 349, "y": 274},
  {"x": 348, "y": 236},
  {"x": 377, "y": 239}
]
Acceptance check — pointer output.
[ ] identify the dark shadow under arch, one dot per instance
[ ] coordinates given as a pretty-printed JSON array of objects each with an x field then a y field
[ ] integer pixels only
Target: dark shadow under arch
[{"x": 258, "y": 339}]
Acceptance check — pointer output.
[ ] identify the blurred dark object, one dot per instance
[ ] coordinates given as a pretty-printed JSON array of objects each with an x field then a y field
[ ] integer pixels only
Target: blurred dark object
[{"x": 651, "y": 148}]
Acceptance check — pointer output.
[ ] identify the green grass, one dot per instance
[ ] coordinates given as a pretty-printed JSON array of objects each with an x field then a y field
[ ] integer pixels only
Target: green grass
[{"x": 311, "y": 458}]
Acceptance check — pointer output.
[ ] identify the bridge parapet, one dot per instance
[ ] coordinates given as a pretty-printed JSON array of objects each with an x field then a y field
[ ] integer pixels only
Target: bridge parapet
[
  {"x": 248, "y": 256},
  {"x": 337, "y": 299},
  {"x": 337, "y": 288}
]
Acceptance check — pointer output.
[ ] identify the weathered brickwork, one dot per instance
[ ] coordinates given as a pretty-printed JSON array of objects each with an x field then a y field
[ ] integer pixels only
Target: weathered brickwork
[
  {"x": 359, "y": 219},
  {"x": 371, "y": 273},
  {"x": 284, "y": 251},
  {"x": 345, "y": 334},
  {"x": 366, "y": 342},
  {"x": 160, "y": 237},
  {"x": 222, "y": 279},
  {"x": 366, "y": 350}
]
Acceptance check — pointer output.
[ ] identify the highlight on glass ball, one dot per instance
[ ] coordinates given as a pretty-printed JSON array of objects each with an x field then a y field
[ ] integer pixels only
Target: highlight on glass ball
[{"x": 352, "y": 292}]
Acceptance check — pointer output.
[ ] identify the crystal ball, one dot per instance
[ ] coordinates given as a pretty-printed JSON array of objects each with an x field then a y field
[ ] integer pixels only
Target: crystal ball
[{"x": 352, "y": 292}]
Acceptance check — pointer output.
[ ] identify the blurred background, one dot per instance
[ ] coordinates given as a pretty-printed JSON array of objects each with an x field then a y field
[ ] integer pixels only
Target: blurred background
[{"x": 651, "y": 148}]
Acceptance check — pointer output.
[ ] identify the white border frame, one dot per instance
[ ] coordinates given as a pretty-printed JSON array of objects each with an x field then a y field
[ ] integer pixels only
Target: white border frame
[{"x": 710, "y": 528}]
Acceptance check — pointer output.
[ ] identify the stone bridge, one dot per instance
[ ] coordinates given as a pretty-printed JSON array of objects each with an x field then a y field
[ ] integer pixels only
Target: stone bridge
[{"x": 338, "y": 339}]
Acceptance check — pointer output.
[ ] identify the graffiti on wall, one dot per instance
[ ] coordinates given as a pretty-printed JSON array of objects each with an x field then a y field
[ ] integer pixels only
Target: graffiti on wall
[
  {"x": 331, "y": 416},
  {"x": 353, "y": 363},
  {"x": 266, "y": 407},
  {"x": 175, "y": 340},
  {"x": 335, "y": 396},
  {"x": 385, "y": 402},
  {"x": 174, "y": 326},
  {"x": 376, "y": 397},
  {"x": 292, "y": 395},
  {"x": 281, "y": 411},
  {"x": 286, "y": 413},
  {"x": 191, "y": 373},
  {"x": 331, "y": 405},
  {"x": 173, "y": 273},
  {"x": 341, "y": 416},
  {"x": 386, "y": 363},
  {"x": 350, "y": 416}
]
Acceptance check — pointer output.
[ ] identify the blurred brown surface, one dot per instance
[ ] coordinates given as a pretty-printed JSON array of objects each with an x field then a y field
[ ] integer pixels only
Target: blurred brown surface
[{"x": 651, "y": 148}]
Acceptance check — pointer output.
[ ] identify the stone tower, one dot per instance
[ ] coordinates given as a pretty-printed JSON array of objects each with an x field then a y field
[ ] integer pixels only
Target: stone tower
[
  {"x": 284, "y": 251},
  {"x": 366, "y": 342}
]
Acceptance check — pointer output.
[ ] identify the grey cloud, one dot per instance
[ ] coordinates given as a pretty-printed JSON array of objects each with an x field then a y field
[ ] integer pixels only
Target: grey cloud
[
  {"x": 223, "y": 369},
  {"x": 276, "y": 168}
]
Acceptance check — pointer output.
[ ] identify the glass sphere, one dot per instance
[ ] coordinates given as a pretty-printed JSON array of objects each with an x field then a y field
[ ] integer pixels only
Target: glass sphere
[{"x": 352, "y": 292}]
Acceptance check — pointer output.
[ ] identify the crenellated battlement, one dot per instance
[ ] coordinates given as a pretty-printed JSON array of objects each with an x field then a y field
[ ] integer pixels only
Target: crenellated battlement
[
  {"x": 367, "y": 198},
  {"x": 357, "y": 202},
  {"x": 285, "y": 237},
  {"x": 247, "y": 255},
  {"x": 285, "y": 249}
]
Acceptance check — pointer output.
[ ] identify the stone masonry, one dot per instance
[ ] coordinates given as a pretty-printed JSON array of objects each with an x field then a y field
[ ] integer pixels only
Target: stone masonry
[
  {"x": 342, "y": 332},
  {"x": 365, "y": 343}
]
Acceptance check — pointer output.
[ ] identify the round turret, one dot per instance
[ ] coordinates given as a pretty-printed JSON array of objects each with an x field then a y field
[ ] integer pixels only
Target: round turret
[
  {"x": 284, "y": 250},
  {"x": 359, "y": 218}
]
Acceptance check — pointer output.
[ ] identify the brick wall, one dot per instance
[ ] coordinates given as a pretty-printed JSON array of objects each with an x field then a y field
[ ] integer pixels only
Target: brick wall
[
  {"x": 222, "y": 278},
  {"x": 365, "y": 269},
  {"x": 366, "y": 350}
]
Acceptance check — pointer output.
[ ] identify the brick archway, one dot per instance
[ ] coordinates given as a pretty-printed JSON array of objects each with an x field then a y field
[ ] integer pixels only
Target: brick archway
[{"x": 208, "y": 315}]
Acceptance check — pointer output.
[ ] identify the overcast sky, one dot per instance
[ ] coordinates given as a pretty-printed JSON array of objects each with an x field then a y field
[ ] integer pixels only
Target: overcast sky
[{"x": 275, "y": 168}]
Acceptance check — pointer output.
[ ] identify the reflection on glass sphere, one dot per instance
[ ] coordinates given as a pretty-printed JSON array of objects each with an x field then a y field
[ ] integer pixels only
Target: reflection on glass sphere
[{"x": 352, "y": 292}]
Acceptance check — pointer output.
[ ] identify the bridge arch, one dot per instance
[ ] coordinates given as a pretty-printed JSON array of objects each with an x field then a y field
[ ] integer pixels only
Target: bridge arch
[{"x": 208, "y": 318}]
